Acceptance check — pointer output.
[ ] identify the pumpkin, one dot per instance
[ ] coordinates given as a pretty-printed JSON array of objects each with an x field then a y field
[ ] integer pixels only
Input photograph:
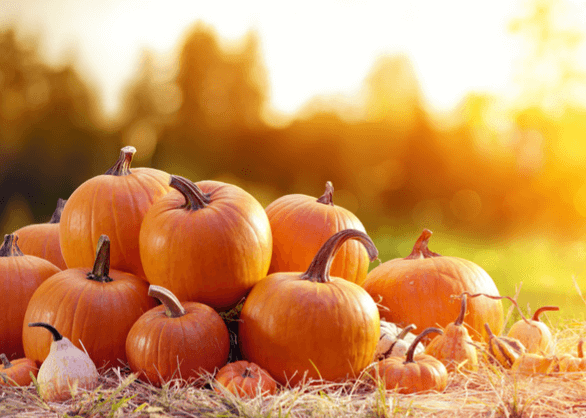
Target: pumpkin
[
  {"x": 245, "y": 379},
  {"x": 42, "y": 240},
  {"x": 414, "y": 373},
  {"x": 112, "y": 204},
  {"x": 418, "y": 289},
  {"x": 392, "y": 342},
  {"x": 91, "y": 306},
  {"x": 301, "y": 224},
  {"x": 208, "y": 242},
  {"x": 17, "y": 372},
  {"x": 455, "y": 348},
  {"x": 531, "y": 363},
  {"x": 504, "y": 350},
  {"x": 176, "y": 341},
  {"x": 567, "y": 363},
  {"x": 534, "y": 334},
  {"x": 20, "y": 275},
  {"x": 65, "y": 370},
  {"x": 310, "y": 325}
]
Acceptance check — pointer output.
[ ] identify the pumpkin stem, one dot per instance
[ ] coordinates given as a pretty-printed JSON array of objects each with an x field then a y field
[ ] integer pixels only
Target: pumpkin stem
[
  {"x": 580, "y": 348},
  {"x": 56, "y": 217},
  {"x": 9, "y": 247},
  {"x": 460, "y": 320},
  {"x": 195, "y": 198},
  {"x": 543, "y": 309},
  {"x": 173, "y": 308},
  {"x": 56, "y": 335},
  {"x": 411, "y": 350},
  {"x": 406, "y": 331},
  {"x": 420, "y": 249},
  {"x": 328, "y": 197},
  {"x": 248, "y": 373},
  {"x": 5, "y": 362},
  {"x": 319, "y": 269},
  {"x": 102, "y": 262},
  {"x": 122, "y": 166},
  {"x": 489, "y": 331}
]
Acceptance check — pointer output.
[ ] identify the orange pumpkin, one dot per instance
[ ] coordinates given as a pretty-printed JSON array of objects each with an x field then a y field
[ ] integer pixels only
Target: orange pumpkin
[
  {"x": 93, "y": 307},
  {"x": 245, "y": 379},
  {"x": 413, "y": 373},
  {"x": 208, "y": 242},
  {"x": 42, "y": 240},
  {"x": 310, "y": 325},
  {"x": 176, "y": 341},
  {"x": 17, "y": 372},
  {"x": 20, "y": 275},
  {"x": 112, "y": 204},
  {"x": 301, "y": 224},
  {"x": 418, "y": 290},
  {"x": 534, "y": 334}
]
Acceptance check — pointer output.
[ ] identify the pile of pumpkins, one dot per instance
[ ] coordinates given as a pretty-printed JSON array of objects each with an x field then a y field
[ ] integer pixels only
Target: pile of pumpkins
[{"x": 135, "y": 267}]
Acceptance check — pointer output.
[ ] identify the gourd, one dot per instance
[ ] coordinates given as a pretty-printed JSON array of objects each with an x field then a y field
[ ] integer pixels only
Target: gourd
[
  {"x": 111, "y": 204},
  {"x": 534, "y": 334},
  {"x": 208, "y": 242},
  {"x": 531, "y": 363},
  {"x": 504, "y": 350},
  {"x": 403, "y": 286},
  {"x": 567, "y": 363},
  {"x": 392, "y": 341},
  {"x": 311, "y": 326},
  {"x": 301, "y": 224},
  {"x": 414, "y": 373},
  {"x": 17, "y": 372},
  {"x": 65, "y": 370},
  {"x": 245, "y": 379},
  {"x": 176, "y": 341}
]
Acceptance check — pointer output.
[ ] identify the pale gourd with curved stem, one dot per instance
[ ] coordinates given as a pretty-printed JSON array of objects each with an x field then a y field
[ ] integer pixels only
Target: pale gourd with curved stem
[{"x": 534, "y": 334}]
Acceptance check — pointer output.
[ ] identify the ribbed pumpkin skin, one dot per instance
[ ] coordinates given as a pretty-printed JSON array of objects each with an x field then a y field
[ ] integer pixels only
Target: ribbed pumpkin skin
[
  {"x": 245, "y": 379},
  {"x": 289, "y": 326},
  {"x": 213, "y": 255},
  {"x": 19, "y": 278},
  {"x": 18, "y": 374},
  {"x": 98, "y": 314},
  {"x": 424, "y": 374},
  {"x": 301, "y": 225},
  {"x": 197, "y": 341},
  {"x": 114, "y": 206},
  {"x": 42, "y": 240}
]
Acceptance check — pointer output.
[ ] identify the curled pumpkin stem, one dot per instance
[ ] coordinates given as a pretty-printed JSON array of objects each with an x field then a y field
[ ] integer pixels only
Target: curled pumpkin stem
[
  {"x": 122, "y": 165},
  {"x": 475, "y": 295},
  {"x": 195, "y": 198},
  {"x": 544, "y": 309},
  {"x": 420, "y": 249}
]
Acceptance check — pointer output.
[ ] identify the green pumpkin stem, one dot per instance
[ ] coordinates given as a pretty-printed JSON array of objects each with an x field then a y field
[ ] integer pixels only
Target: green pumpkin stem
[
  {"x": 56, "y": 217},
  {"x": 56, "y": 334},
  {"x": 328, "y": 197},
  {"x": 102, "y": 262},
  {"x": 319, "y": 269},
  {"x": 411, "y": 350},
  {"x": 5, "y": 362},
  {"x": 122, "y": 166},
  {"x": 9, "y": 247},
  {"x": 420, "y": 249},
  {"x": 195, "y": 198},
  {"x": 460, "y": 320},
  {"x": 543, "y": 309},
  {"x": 173, "y": 308}
]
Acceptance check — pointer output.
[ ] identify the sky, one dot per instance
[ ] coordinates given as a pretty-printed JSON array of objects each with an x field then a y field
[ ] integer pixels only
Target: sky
[{"x": 317, "y": 47}]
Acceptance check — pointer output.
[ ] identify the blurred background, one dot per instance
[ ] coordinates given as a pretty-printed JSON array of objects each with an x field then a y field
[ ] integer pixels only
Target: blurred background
[{"x": 468, "y": 119}]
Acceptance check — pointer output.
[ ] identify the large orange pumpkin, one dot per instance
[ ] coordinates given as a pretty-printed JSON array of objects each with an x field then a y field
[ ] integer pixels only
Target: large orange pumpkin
[
  {"x": 93, "y": 307},
  {"x": 113, "y": 204},
  {"x": 301, "y": 224},
  {"x": 310, "y": 325},
  {"x": 208, "y": 242},
  {"x": 42, "y": 240},
  {"x": 20, "y": 275},
  {"x": 418, "y": 290}
]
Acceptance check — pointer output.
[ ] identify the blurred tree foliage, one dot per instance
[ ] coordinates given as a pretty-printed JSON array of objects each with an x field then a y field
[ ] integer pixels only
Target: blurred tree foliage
[{"x": 488, "y": 167}]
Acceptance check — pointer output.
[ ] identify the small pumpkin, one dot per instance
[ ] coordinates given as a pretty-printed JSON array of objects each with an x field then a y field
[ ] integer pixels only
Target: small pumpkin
[
  {"x": 176, "y": 341},
  {"x": 17, "y": 372},
  {"x": 42, "y": 240},
  {"x": 245, "y": 379},
  {"x": 504, "y": 350},
  {"x": 392, "y": 341},
  {"x": 310, "y": 325},
  {"x": 208, "y": 242},
  {"x": 94, "y": 306},
  {"x": 20, "y": 276},
  {"x": 567, "y": 363},
  {"x": 531, "y": 363},
  {"x": 415, "y": 373},
  {"x": 112, "y": 204},
  {"x": 301, "y": 224},
  {"x": 65, "y": 370},
  {"x": 534, "y": 334},
  {"x": 455, "y": 347},
  {"x": 418, "y": 290}
]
